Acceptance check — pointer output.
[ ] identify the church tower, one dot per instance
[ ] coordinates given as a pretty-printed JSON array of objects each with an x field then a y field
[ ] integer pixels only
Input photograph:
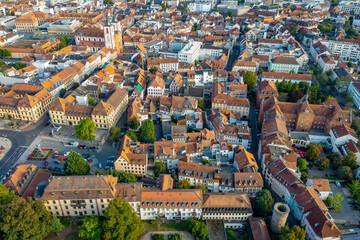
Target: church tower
[
  {"x": 118, "y": 33},
  {"x": 109, "y": 34}
]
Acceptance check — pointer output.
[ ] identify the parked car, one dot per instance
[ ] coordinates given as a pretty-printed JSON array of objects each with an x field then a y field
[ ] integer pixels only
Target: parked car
[
  {"x": 45, "y": 167},
  {"x": 62, "y": 158},
  {"x": 107, "y": 167},
  {"x": 86, "y": 155},
  {"x": 57, "y": 161},
  {"x": 61, "y": 169},
  {"x": 46, "y": 163},
  {"x": 111, "y": 158},
  {"x": 99, "y": 165},
  {"x": 353, "y": 202},
  {"x": 50, "y": 168},
  {"x": 338, "y": 183}
]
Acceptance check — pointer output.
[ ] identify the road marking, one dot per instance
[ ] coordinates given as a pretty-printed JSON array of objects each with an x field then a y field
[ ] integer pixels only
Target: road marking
[{"x": 15, "y": 155}]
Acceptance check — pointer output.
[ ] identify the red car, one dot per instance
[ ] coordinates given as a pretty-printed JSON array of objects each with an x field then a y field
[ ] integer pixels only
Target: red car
[{"x": 62, "y": 158}]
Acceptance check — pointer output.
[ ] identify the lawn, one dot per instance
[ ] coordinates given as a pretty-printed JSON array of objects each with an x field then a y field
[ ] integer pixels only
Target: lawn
[
  {"x": 181, "y": 226},
  {"x": 282, "y": 96}
]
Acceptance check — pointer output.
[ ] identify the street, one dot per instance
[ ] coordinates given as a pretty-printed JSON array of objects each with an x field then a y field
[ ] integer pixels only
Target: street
[{"x": 20, "y": 139}]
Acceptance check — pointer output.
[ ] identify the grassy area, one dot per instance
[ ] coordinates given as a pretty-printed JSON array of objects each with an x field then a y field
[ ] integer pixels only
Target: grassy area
[
  {"x": 181, "y": 226},
  {"x": 282, "y": 96}
]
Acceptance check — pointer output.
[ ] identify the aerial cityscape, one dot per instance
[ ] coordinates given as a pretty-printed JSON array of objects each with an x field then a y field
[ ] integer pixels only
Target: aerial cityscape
[{"x": 179, "y": 120}]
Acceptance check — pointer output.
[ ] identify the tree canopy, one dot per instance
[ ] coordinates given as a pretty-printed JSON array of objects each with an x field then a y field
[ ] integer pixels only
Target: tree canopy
[
  {"x": 85, "y": 129},
  {"x": 159, "y": 167},
  {"x": 5, "y": 53},
  {"x": 121, "y": 222},
  {"x": 122, "y": 176},
  {"x": 56, "y": 225},
  {"x": 91, "y": 228},
  {"x": 147, "y": 132},
  {"x": 115, "y": 134},
  {"x": 19, "y": 65},
  {"x": 301, "y": 164},
  {"x": 22, "y": 218},
  {"x": 198, "y": 229},
  {"x": 184, "y": 184},
  {"x": 134, "y": 123},
  {"x": 295, "y": 233},
  {"x": 335, "y": 201},
  {"x": 132, "y": 135},
  {"x": 313, "y": 152},
  {"x": 263, "y": 203},
  {"x": 76, "y": 165},
  {"x": 350, "y": 160},
  {"x": 5, "y": 194},
  {"x": 345, "y": 173},
  {"x": 250, "y": 79},
  {"x": 323, "y": 163}
]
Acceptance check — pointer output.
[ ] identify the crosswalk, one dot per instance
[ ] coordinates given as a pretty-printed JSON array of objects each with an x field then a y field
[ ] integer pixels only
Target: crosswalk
[{"x": 6, "y": 162}]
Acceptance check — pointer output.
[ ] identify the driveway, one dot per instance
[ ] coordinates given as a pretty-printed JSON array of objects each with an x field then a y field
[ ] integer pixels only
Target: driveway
[
  {"x": 185, "y": 235},
  {"x": 346, "y": 214}
]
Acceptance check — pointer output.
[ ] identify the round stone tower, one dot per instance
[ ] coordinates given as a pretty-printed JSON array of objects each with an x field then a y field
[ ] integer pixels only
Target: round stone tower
[{"x": 279, "y": 216}]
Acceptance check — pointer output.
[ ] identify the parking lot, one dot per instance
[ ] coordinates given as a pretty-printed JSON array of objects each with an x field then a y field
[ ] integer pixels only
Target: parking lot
[
  {"x": 94, "y": 156},
  {"x": 346, "y": 214}
]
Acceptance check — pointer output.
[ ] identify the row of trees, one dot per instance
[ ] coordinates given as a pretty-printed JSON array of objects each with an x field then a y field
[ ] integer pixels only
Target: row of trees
[
  {"x": 25, "y": 218},
  {"x": 123, "y": 177},
  {"x": 343, "y": 165}
]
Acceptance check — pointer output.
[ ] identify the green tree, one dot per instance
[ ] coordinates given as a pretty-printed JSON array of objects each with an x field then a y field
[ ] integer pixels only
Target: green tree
[
  {"x": 64, "y": 40},
  {"x": 5, "y": 194},
  {"x": 356, "y": 125},
  {"x": 313, "y": 152},
  {"x": 159, "y": 167},
  {"x": 335, "y": 159},
  {"x": 335, "y": 201},
  {"x": 260, "y": 71},
  {"x": 85, "y": 129},
  {"x": 91, "y": 101},
  {"x": 62, "y": 92},
  {"x": 302, "y": 164},
  {"x": 24, "y": 219},
  {"x": 230, "y": 234},
  {"x": 6, "y": 53},
  {"x": 194, "y": 27},
  {"x": 126, "y": 177},
  {"x": 345, "y": 173},
  {"x": 134, "y": 123},
  {"x": 186, "y": 10},
  {"x": 250, "y": 80},
  {"x": 262, "y": 204},
  {"x": 91, "y": 228},
  {"x": 282, "y": 86},
  {"x": 304, "y": 176},
  {"x": 350, "y": 160},
  {"x": 76, "y": 165},
  {"x": 120, "y": 222},
  {"x": 147, "y": 132},
  {"x": 323, "y": 163},
  {"x": 56, "y": 225},
  {"x": 132, "y": 135},
  {"x": 198, "y": 229},
  {"x": 201, "y": 186},
  {"x": 115, "y": 134},
  {"x": 230, "y": 14},
  {"x": 354, "y": 188},
  {"x": 122, "y": 176},
  {"x": 295, "y": 233},
  {"x": 184, "y": 184},
  {"x": 201, "y": 104},
  {"x": 19, "y": 65}
]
